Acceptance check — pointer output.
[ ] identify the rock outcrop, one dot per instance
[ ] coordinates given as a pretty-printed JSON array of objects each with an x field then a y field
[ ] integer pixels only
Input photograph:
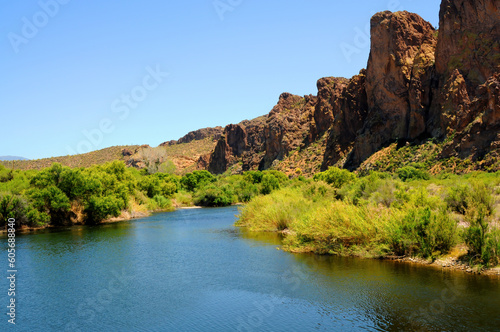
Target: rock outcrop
[
  {"x": 419, "y": 83},
  {"x": 468, "y": 69},
  {"x": 197, "y": 135},
  {"x": 397, "y": 81}
]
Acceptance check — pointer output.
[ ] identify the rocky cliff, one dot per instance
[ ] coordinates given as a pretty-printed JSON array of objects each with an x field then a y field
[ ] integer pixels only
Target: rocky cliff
[
  {"x": 467, "y": 97},
  {"x": 419, "y": 84}
]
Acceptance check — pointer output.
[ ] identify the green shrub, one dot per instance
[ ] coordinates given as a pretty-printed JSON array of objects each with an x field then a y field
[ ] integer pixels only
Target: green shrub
[
  {"x": 409, "y": 173},
  {"x": 481, "y": 196},
  {"x": 253, "y": 176},
  {"x": 12, "y": 206},
  {"x": 492, "y": 247},
  {"x": 183, "y": 198},
  {"x": 196, "y": 180},
  {"x": 51, "y": 201},
  {"x": 246, "y": 191},
  {"x": 99, "y": 208},
  {"x": 160, "y": 203},
  {"x": 276, "y": 211},
  {"x": 6, "y": 175},
  {"x": 316, "y": 191},
  {"x": 458, "y": 198},
  {"x": 422, "y": 231},
  {"x": 282, "y": 177},
  {"x": 213, "y": 195},
  {"x": 335, "y": 177},
  {"x": 269, "y": 183}
]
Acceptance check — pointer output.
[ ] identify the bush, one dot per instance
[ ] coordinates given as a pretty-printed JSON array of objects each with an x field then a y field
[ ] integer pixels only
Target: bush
[
  {"x": 160, "y": 203},
  {"x": 282, "y": 177},
  {"x": 422, "y": 231},
  {"x": 11, "y": 206},
  {"x": 51, "y": 201},
  {"x": 409, "y": 173},
  {"x": 6, "y": 175},
  {"x": 483, "y": 242},
  {"x": 213, "y": 195},
  {"x": 253, "y": 176},
  {"x": 276, "y": 211},
  {"x": 246, "y": 191},
  {"x": 269, "y": 183},
  {"x": 492, "y": 247},
  {"x": 183, "y": 198},
  {"x": 99, "y": 208},
  {"x": 196, "y": 180},
  {"x": 458, "y": 198},
  {"x": 335, "y": 177}
]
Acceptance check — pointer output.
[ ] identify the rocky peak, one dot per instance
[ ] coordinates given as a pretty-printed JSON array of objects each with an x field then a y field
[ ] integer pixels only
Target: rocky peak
[
  {"x": 398, "y": 78},
  {"x": 418, "y": 84},
  {"x": 467, "y": 55}
]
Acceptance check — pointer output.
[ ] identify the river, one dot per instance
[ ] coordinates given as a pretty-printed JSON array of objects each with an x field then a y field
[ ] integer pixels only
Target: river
[{"x": 192, "y": 270}]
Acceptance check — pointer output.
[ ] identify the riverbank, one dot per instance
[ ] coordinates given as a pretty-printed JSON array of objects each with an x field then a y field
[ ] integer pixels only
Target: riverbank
[
  {"x": 434, "y": 222},
  {"x": 124, "y": 216},
  {"x": 454, "y": 260}
]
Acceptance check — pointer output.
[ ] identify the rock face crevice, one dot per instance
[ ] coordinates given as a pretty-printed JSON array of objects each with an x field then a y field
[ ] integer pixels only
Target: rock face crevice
[{"x": 419, "y": 83}]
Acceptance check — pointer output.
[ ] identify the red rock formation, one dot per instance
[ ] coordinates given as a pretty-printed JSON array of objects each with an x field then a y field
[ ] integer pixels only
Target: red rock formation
[
  {"x": 197, "y": 135},
  {"x": 402, "y": 46},
  {"x": 468, "y": 68},
  {"x": 352, "y": 108},
  {"x": 418, "y": 83}
]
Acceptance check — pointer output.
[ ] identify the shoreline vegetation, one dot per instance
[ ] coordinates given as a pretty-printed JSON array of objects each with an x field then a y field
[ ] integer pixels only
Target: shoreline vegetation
[{"x": 445, "y": 220}]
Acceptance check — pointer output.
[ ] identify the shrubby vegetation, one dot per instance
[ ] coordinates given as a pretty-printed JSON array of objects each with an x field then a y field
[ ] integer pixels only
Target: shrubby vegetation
[
  {"x": 60, "y": 195},
  {"x": 407, "y": 213},
  {"x": 402, "y": 213}
]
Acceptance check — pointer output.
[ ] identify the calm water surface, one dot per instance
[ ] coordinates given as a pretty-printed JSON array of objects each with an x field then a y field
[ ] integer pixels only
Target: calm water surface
[{"x": 191, "y": 270}]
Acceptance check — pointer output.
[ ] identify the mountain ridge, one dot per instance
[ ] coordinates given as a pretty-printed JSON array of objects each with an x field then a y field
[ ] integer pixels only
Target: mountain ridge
[
  {"x": 9, "y": 158},
  {"x": 433, "y": 92}
]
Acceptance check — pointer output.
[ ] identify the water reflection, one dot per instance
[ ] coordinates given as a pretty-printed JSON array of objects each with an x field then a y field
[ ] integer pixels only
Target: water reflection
[{"x": 192, "y": 270}]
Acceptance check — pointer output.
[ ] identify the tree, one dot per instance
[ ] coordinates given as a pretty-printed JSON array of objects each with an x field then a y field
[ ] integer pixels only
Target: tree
[{"x": 197, "y": 179}]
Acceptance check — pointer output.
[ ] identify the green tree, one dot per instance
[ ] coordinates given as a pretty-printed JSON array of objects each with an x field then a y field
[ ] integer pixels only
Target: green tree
[
  {"x": 98, "y": 208},
  {"x": 196, "y": 180},
  {"x": 53, "y": 202}
]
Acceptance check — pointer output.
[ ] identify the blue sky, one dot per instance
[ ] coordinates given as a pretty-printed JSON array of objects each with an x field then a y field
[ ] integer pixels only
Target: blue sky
[{"x": 85, "y": 75}]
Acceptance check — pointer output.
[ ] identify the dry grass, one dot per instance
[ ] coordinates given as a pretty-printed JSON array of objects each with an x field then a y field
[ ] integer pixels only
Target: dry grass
[{"x": 81, "y": 160}]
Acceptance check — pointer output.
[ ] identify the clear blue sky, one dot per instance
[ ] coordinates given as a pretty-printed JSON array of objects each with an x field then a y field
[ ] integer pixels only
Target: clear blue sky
[{"x": 65, "y": 69}]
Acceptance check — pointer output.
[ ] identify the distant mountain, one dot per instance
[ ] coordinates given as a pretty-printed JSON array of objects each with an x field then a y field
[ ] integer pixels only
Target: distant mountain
[{"x": 5, "y": 158}]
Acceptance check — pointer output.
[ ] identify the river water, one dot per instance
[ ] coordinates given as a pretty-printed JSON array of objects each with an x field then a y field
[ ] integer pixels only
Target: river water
[{"x": 192, "y": 270}]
